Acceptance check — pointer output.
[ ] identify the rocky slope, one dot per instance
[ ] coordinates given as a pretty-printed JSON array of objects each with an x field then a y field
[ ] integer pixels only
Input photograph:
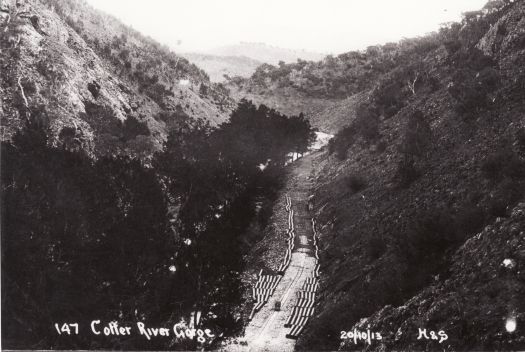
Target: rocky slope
[
  {"x": 476, "y": 306},
  {"x": 100, "y": 85}
]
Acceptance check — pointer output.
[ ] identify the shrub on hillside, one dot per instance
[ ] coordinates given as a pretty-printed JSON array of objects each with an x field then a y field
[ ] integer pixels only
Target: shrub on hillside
[
  {"x": 390, "y": 94},
  {"x": 355, "y": 183},
  {"x": 50, "y": 69},
  {"x": 502, "y": 164},
  {"x": 173, "y": 119},
  {"x": 132, "y": 128},
  {"x": 94, "y": 89},
  {"x": 365, "y": 125},
  {"x": 417, "y": 135},
  {"x": 469, "y": 219},
  {"x": 406, "y": 172},
  {"x": 367, "y": 122},
  {"x": 415, "y": 141},
  {"x": 375, "y": 247},
  {"x": 520, "y": 139},
  {"x": 381, "y": 146},
  {"x": 473, "y": 82},
  {"x": 434, "y": 231},
  {"x": 77, "y": 25},
  {"x": 506, "y": 194},
  {"x": 203, "y": 90},
  {"x": 429, "y": 236},
  {"x": 343, "y": 140},
  {"x": 70, "y": 139}
]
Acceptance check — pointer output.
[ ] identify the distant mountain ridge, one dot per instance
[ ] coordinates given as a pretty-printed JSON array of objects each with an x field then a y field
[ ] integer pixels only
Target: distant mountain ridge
[
  {"x": 265, "y": 53},
  {"x": 241, "y": 60},
  {"x": 217, "y": 66}
]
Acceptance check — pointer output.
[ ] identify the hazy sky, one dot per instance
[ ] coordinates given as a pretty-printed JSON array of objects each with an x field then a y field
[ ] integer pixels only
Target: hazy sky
[{"x": 328, "y": 26}]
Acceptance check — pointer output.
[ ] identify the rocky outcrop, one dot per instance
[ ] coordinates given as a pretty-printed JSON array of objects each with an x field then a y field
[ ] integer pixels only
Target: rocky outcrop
[
  {"x": 476, "y": 306},
  {"x": 504, "y": 40}
]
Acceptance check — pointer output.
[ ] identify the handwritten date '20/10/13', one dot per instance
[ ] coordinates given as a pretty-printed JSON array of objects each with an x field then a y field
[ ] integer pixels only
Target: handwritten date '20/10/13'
[
  {"x": 113, "y": 329},
  {"x": 368, "y": 336}
]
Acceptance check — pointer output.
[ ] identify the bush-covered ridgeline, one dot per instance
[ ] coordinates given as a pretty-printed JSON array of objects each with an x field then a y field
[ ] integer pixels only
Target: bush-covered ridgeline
[
  {"x": 402, "y": 64},
  {"x": 114, "y": 239},
  {"x": 472, "y": 86}
]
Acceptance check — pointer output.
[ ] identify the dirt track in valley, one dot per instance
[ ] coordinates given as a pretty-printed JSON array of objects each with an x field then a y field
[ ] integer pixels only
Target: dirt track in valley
[{"x": 266, "y": 331}]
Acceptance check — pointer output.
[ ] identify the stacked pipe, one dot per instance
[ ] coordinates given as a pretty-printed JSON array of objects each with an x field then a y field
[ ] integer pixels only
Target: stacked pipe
[
  {"x": 316, "y": 249},
  {"x": 266, "y": 284},
  {"x": 291, "y": 237},
  {"x": 263, "y": 290},
  {"x": 304, "y": 307}
]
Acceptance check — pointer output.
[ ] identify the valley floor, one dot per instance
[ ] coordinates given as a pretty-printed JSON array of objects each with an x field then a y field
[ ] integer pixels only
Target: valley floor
[{"x": 266, "y": 331}]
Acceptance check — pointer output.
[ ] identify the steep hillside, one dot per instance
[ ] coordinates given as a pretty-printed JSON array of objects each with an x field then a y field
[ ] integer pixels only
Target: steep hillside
[
  {"x": 218, "y": 66},
  {"x": 429, "y": 156},
  {"x": 101, "y": 85}
]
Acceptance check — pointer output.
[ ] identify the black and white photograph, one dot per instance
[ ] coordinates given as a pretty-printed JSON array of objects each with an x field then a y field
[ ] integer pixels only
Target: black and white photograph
[{"x": 262, "y": 175}]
